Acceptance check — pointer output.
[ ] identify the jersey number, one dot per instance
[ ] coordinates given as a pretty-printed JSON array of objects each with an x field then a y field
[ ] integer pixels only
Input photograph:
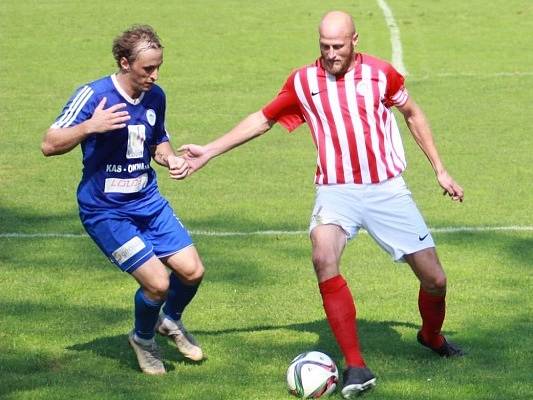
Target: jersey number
[{"x": 136, "y": 138}]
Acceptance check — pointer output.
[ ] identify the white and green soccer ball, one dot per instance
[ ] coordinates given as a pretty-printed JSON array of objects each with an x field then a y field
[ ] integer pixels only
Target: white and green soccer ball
[{"x": 312, "y": 375}]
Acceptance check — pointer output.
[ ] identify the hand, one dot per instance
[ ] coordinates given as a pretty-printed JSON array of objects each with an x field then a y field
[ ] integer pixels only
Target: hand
[
  {"x": 451, "y": 188},
  {"x": 195, "y": 155},
  {"x": 177, "y": 167},
  {"x": 109, "y": 119}
]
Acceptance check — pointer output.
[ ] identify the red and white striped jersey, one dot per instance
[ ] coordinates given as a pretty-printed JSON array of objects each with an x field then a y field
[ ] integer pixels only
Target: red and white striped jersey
[{"x": 352, "y": 125}]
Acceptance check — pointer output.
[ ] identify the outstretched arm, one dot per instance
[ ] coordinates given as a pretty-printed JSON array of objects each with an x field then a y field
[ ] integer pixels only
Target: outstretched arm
[
  {"x": 249, "y": 128},
  {"x": 61, "y": 140},
  {"x": 419, "y": 127}
]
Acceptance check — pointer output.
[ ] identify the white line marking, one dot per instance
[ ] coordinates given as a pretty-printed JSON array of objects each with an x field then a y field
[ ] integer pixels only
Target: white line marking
[
  {"x": 461, "y": 229},
  {"x": 254, "y": 233},
  {"x": 475, "y": 75},
  {"x": 397, "y": 53},
  {"x": 450, "y": 229}
]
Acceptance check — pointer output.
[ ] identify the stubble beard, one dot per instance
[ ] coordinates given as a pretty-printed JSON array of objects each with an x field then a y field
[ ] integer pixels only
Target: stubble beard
[{"x": 337, "y": 69}]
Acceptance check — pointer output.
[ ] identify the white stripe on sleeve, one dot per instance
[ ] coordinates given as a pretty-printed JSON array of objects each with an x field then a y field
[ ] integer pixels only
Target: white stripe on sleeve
[{"x": 70, "y": 113}]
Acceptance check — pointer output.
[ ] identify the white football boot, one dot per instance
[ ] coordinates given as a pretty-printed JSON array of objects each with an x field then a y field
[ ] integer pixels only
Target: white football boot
[
  {"x": 148, "y": 356},
  {"x": 185, "y": 342}
]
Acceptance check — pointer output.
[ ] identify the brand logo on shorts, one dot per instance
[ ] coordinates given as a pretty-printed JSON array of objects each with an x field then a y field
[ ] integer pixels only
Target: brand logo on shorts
[
  {"x": 150, "y": 116},
  {"x": 421, "y": 238},
  {"x": 128, "y": 250}
]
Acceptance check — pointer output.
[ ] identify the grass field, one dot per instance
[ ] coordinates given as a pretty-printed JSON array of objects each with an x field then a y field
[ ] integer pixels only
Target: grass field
[{"x": 65, "y": 310}]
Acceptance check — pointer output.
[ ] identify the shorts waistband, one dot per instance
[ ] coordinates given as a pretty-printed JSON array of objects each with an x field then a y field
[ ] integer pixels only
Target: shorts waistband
[{"x": 398, "y": 179}]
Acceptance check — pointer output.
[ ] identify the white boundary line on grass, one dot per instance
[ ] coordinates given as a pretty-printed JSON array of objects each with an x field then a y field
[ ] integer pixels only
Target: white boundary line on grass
[
  {"x": 397, "y": 52},
  {"x": 449, "y": 229},
  {"x": 481, "y": 75}
]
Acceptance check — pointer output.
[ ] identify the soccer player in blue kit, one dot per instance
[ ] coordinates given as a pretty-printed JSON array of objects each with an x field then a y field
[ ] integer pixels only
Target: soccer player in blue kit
[{"x": 119, "y": 121}]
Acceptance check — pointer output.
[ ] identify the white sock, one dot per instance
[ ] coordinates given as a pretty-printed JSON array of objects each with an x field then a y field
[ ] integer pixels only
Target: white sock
[
  {"x": 167, "y": 320},
  {"x": 144, "y": 342}
]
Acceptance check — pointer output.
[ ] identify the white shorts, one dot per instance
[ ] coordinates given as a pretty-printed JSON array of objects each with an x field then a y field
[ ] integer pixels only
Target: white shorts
[{"x": 385, "y": 210}]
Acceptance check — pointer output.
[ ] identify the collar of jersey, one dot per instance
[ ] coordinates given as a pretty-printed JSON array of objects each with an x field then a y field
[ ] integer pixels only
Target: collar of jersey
[{"x": 124, "y": 94}]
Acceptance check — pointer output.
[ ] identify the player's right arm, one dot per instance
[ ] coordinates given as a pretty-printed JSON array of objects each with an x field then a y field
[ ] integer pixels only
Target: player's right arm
[
  {"x": 283, "y": 109},
  {"x": 61, "y": 140},
  {"x": 249, "y": 128}
]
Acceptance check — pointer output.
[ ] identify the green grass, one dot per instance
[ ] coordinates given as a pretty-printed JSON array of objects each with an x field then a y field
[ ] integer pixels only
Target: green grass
[{"x": 65, "y": 311}]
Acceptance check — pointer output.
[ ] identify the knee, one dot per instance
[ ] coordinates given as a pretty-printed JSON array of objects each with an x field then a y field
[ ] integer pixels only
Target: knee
[
  {"x": 321, "y": 259},
  {"x": 197, "y": 275},
  {"x": 157, "y": 289},
  {"x": 194, "y": 274},
  {"x": 324, "y": 261},
  {"x": 435, "y": 284}
]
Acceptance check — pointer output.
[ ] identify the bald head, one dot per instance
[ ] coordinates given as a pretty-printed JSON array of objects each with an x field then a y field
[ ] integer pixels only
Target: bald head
[
  {"x": 338, "y": 39},
  {"x": 336, "y": 24}
]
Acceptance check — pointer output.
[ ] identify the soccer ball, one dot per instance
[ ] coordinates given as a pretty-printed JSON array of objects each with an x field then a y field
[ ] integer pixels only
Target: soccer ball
[{"x": 311, "y": 375}]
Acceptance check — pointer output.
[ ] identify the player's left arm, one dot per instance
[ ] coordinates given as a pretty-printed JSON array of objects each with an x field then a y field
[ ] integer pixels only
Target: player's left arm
[
  {"x": 421, "y": 131},
  {"x": 164, "y": 155}
]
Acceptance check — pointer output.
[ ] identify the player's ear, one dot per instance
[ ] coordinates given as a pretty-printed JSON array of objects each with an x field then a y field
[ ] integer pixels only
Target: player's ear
[
  {"x": 124, "y": 64},
  {"x": 355, "y": 39}
]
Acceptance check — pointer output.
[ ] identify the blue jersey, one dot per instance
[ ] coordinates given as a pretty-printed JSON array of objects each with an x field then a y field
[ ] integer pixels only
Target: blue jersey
[{"x": 116, "y": 164}]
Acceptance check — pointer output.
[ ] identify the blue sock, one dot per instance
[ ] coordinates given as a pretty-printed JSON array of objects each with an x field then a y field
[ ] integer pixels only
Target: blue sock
[
  {"x": 179, "y": 295},
  {"x": 146, "y": 314}
]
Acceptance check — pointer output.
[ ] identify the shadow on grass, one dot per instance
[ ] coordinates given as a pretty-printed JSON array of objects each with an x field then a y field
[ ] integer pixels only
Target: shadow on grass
[
  {"x": 22, "y": 371},
  {"x": 521, "y": 249},
  {"x": 517, "y": 245},
  {"x": 380, "y": 337},
  {"x": 41, "y": 221},
  {"x": 33, "y": 316},
  {"x": 117, "y": 348},
  {"x": 376, "y": 336}
]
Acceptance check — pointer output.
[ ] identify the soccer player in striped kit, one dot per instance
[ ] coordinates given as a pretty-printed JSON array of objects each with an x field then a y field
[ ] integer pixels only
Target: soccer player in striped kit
[
  {"x": 119, "y": 121},
  {"x": 346, "y": 98}
]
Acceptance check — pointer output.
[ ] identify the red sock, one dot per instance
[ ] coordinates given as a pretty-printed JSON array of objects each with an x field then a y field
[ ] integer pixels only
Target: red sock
[
  {"x": 340, "y": 312},
  {"x": 432, "y": 310}
]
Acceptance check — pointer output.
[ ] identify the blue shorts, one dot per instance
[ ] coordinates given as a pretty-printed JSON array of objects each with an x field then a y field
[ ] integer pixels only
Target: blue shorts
[{"x": 130, "y": 239}]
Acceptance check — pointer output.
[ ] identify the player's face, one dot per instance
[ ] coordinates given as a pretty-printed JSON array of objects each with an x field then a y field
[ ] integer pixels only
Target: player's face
[
  {"x": 143, "y": 72},
  {"x": 337, "y": 52}
]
